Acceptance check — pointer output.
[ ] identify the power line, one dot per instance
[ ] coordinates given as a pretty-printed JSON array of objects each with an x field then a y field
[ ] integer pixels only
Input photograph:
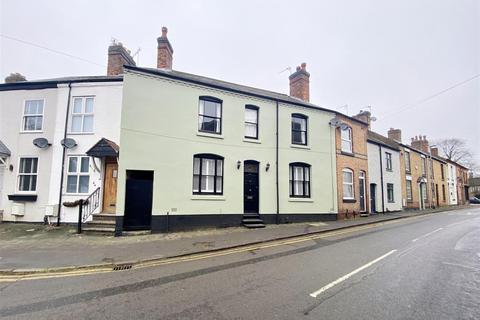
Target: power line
[
  {"x": 430, "y": 97},
  {"x": 51, "y": 50}
]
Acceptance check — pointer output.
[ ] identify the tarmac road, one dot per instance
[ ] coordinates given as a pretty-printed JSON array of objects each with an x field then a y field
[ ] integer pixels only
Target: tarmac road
[{"x": 427, "y": 267}]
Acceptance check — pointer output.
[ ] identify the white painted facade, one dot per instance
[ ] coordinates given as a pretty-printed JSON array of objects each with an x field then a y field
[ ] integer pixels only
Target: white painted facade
[
  {"x": 376, "y": 168},
  {"x": 452, "y": 184},
  {"x": 107, "y": 100}
]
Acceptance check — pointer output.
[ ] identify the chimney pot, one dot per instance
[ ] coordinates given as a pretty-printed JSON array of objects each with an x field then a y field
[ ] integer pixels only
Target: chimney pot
[
  {"x": 304, "y": 66},
  {"x": 164, "y": 32}
]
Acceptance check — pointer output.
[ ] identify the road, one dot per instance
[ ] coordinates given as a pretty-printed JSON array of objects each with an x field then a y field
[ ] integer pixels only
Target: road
[{"x": 426, "y": 267}]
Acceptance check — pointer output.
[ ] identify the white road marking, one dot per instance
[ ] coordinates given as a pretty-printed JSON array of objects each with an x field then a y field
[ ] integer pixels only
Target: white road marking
[
  {"x": 345, "y": 277},
  {"x": 426, "y": 235}
]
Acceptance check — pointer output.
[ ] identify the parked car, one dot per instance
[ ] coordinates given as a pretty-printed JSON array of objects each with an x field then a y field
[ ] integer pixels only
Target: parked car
[{"x": 474, "y": 200}]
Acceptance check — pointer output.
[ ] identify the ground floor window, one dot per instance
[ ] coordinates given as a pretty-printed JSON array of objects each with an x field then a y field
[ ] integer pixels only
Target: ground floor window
[
  {"x": 27, "y": 174},
  {"x": 299, "y": 180},
  {"x": 443, "y": 192},
  {"x": 207, "y": 174},
  {"x": 78, "y": 177},
  {"x": 409, "y": 190},
  {"x": 348, "y": 191},
  {"x": 390, "y": 193}
]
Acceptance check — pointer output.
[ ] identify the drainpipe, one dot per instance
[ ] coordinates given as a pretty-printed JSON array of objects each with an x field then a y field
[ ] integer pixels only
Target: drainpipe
[
  {"x": 63, "y": 155},
  {"x": 381, "y": 179},
  {"x": 277, "y": 217}
]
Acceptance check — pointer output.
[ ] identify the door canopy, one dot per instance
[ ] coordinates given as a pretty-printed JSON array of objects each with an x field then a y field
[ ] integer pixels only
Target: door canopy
[{"x": 104, "y": 148}]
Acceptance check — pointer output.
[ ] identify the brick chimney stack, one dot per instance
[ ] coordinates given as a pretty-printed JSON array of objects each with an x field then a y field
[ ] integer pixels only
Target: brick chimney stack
[
  {"x": 300, "y": 83},
  {"x": 365, "y": 116},
  {"x": 118, "y": 56},
  {"x": 434, "y": 151},
  {"x": 164, "y": 51},
  {"x": 420, "y": 143},
  {"x": 395, "y": 134}
]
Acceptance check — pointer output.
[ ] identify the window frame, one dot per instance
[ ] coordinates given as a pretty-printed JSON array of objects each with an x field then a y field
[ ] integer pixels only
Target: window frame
[
  {"x": 424, "y": 166},
  {"x": 82, "y": 114},
  {"x": 348, "y": 170},
  {"x": 349, "y": 141},
  {"x": 305, "y": 182},
  {"x": 408, "y": 164},
  {"x": 257, "y": 110},
  {"x": 78, "y": 173},
  {"x": 19, "y": 174},
  {"x": 209, "y": 156},
  {"x": 390, "y": 187},
  {"x": 199, "y": 124},
  {"x": 442, "y": 168},
  {"x": 24, "y": 116},
  {"x": 303, "y": 117},
  {"x": 407, "y": 189},
  {"x": 388, "y": 161}
]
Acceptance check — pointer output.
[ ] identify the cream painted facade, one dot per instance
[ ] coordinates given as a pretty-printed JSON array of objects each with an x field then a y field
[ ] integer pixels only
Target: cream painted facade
[
  {"x": 44, "y": 200},
  {"x": 159, "y": 132}
]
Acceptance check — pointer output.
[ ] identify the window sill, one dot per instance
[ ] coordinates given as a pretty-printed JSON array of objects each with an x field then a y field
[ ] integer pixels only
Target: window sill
[
  {"x": 31, "y": 132},
  {"x": 346, "y": 153},
  {"x": 208, "y": 198},
  {"x": 251, "y": 140},
  {"x": 80, "y": 133},
  {"x": 210, "y": 135},
  {"x": 300, "y": 146},
  {"x": 300, "y": 199},
  {"x": 349, "y": 200},
  {"x": 389, "y": 170}
]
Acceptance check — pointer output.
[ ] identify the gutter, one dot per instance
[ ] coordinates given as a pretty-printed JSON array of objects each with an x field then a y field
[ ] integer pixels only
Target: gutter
[{"x": 60, "y": 193}]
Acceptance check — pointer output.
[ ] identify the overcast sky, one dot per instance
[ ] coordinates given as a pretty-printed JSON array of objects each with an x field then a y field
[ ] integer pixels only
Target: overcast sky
[{"x": 387, "y": 54}]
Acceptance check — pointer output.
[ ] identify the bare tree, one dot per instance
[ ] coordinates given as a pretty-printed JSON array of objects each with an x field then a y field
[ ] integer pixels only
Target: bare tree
[
  {"x": 456, "y": 150},
  {"x": 15, "y": 77}
]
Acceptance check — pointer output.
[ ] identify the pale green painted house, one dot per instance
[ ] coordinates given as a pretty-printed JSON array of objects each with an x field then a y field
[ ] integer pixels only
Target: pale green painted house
[{"x": 202, "y": 152}]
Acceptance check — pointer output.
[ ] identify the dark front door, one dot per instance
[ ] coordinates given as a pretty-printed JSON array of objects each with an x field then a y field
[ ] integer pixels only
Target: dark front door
[
  {"x": 138, "y": 200},
  {"x": 436, "y": 195},
  {"x": 250, "y": 187},
  {"x": 373, "y": 197}
]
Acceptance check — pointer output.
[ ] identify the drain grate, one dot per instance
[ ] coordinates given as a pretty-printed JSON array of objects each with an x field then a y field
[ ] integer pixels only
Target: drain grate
[{"x": 122, "y": 267}]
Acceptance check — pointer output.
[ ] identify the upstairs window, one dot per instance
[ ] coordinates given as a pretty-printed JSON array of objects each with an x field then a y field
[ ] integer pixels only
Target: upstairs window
[
  {"x": 431, "y": 169},
  {"x": 207, "y": 174},
  {"x": 407, "y": 162},
  {"x": 299, "y": 180},
  {"x": 348, "y": 190},
  {"x": 78, "y": 177},
  {"x": 442, "y": 171},
  {"x": 299, "y": 129},
  {"x": 27, "y": 174},
  {"x": 424, "y": 167},
  {"x": 33, "y": 115},
  {"x": 210, "y": 115},
  {"x": 346, "y": 135},
  {"x": 388, "y": 158},
  {"x": 251, "y": 122},
  {"x": 82, "y": 115}
]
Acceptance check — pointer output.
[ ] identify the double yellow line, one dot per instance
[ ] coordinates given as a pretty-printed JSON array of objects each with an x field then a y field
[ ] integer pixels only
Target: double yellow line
[{"x": 82, "y": 271}]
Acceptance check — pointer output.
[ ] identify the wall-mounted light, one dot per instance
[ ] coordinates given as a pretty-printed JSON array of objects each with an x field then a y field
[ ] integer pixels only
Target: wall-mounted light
[
  {"x": 239, "y": 163},
  {"x": 267, "y": 166}
]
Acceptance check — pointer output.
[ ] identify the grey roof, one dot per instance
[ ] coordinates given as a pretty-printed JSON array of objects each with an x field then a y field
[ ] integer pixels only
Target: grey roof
[
  {"x": 104, "y": 148},
  {"x": 229, "y": 86},
  {"x": 379, "y": 139},
  {"x": 4, "y": 151},
  {"x": 53, "y": 82}
]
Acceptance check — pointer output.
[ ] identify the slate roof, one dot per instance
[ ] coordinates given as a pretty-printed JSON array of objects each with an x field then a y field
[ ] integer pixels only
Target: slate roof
[
  {"x": 233, "y": 87},
  {"x": 54, "y": 82},
  {"x": 4, "y": 151},
  {"x": 104, "y": 148},
  {"x": 382, "y": 140}
]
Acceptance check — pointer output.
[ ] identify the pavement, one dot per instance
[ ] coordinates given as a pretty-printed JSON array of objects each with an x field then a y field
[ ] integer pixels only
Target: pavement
[
  {"x": 425, "y": 267},
  {"x": 28, "y": 248}
]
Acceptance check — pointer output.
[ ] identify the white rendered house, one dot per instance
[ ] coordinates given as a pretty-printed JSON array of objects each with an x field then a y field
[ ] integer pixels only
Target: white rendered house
[
  {"x": 384, "y": 173},
  {"x": 452, "y": 184}
]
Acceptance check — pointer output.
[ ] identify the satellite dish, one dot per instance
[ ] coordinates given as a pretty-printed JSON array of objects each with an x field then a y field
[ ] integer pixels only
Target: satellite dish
[
  {"x": 373, "y": 119},
  {"x": 41, "y": 143},
  {"x": 344, "y": 126},
  {"x": 68, "y": 143},
  {"x": 335, "y": 122}
]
